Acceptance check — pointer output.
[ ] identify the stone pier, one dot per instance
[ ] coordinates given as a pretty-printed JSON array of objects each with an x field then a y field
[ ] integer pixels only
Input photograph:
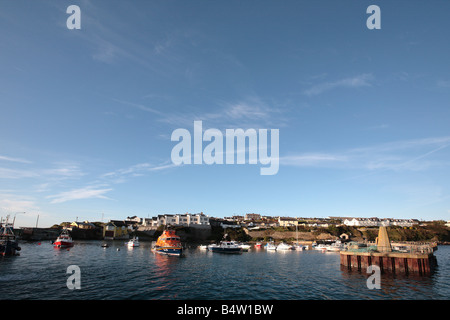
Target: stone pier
[
  {"x": 419, "y": 260},
  {"x": 395, "y": 262}
]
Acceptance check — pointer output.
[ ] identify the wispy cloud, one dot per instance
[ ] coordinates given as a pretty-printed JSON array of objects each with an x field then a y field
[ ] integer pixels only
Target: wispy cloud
[
  {"x": 78, "y": 194},
  {"x": 137, "y": 170},
  {"x": 247, "y": 112},
  {"x": 379, "y": 127},
  {"x": 59, "y": 172},
  {"x": 14, "y": 203},
  {"x": 362, "y": 80},
  {"x": 313, "y": 159},
  {"x": 63, "y": 171},
  {"x": 105, "y": 182},
  {"x": 7, "y": 173},
  {"x": 68, "y": 174},
  {"x": 5, "y": 158},
  {"x": 406, "y": 155},
  {"x": 443, "y": 84},
  {"x": 138, "y": 106},
  {"x": 106, "y": 52},
  {"x": 406, "y": 145}
]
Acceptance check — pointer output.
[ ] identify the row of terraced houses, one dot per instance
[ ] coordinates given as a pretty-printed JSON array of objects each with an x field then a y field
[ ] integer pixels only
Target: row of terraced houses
[{"x": 250, "y": 220}]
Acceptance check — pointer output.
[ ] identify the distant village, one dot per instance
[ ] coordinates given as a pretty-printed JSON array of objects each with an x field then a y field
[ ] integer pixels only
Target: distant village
[
  {"x": 122, "y": 229},
  {"x": 115, "y": 229}
]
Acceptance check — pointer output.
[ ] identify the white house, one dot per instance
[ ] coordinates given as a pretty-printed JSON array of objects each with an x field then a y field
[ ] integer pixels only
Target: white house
[
  {"x": 375, "y": 222},
  {"x": 187, "y": 219}
]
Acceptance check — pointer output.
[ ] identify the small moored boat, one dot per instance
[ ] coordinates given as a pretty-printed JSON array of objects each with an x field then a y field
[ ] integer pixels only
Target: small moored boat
[
  {"x": 64, "y": 240},
  {"x": 271, "y": 246},
  {"x": 321, "y": 247},
  {"x": 299, "y": 247},
  {"x": 337, "y": 246},
  {"x": 8, "y": 241},
  {"x": 133, "y": 242},
  {"x": 284, "y": 246},
  {"x": 225, "y": 247},
  {"x": 245, "y": 247}
]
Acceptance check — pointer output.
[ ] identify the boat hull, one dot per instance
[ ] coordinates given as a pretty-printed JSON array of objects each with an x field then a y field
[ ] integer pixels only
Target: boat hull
[
  {"x": 8, "y": 241},
  {"x": 284, "y": 248},
  {"x": 170, "y": 251},
  {"x": 225, "y": 250},
  {"x": 62, "y": 244},
  {"x": 132, "y": 244},
  {"x": 9, "y": 249}
]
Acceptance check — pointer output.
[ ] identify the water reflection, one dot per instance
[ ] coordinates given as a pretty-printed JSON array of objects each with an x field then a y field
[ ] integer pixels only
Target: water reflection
[
  {"x": 164, "y": 275},
  {"x": 393, "y": 285},
  {"x": 40, "y": 272}
]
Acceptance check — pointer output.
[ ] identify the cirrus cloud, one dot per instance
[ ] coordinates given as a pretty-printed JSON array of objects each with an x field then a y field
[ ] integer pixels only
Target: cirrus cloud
[
  {"x": 362, "y": 80},
  {"x": 78, "y": 194}
]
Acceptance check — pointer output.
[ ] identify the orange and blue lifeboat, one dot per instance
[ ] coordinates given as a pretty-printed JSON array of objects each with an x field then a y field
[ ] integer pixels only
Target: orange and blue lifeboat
[{"x": 168, "y": 243}]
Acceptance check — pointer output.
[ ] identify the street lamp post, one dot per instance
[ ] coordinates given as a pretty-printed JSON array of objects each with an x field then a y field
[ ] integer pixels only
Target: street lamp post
[{"x": 14, "y": 220}]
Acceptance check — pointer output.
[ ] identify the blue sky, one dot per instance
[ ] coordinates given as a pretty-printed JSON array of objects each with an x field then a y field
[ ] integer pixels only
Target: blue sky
[{"x": 87, "y": 115}]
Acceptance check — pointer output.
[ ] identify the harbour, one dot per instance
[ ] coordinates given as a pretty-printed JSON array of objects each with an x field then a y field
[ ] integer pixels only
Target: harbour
[
  {"x": 120, "y": 272},
  {"x": 206, "y": 158}
]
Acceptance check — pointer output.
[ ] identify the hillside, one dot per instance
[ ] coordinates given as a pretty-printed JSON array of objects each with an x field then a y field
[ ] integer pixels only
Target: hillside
[{"x": 433, "y": 231}]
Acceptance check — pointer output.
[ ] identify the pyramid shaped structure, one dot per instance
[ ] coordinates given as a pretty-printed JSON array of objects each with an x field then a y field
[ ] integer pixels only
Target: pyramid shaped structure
[{"x": 383, "y": 243}]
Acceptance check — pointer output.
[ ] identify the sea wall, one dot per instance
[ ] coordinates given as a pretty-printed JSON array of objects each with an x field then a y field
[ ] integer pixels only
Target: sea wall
[
  {"x": 37, "y": 234},
  {"x": 394, "y": 262},
  {"x": 292, "y": 235},
  {"x": 41, "y": 234}
]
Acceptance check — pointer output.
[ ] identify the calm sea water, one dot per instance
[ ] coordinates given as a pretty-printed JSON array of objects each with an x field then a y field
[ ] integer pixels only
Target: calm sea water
[{"x": 39, "y": 273}]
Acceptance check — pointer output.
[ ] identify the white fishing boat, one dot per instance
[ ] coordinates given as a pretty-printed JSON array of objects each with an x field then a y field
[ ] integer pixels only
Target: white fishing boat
[
  {"x": 271, "y": 246},
  {"x": 299, "y": 247},
  {"x": 243, "y": 246},
  {"x": 321, "y": 247},
  {"x": 203, "y": 247},
  {"x": 284, "y": 247},
  {"x": 335, "y": 247},
  {"x": 134, "y": 242}
]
